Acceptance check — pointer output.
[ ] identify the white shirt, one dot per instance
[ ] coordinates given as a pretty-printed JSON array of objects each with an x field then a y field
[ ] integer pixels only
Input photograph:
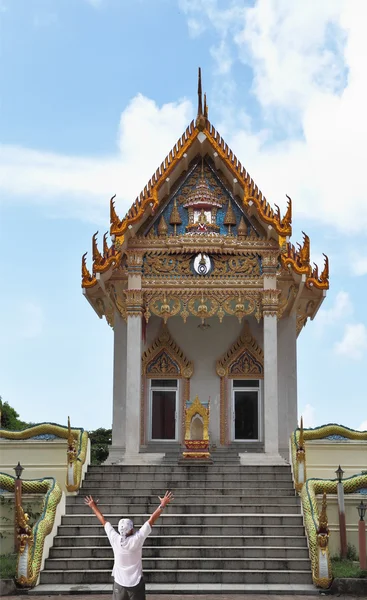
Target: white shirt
[{"x": 127, "y": 568}]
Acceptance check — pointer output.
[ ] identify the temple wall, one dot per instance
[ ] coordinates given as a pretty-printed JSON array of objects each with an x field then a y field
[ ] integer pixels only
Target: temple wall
[
  {"x": 204, "y": 348},
  {"x": 39, "y": 458},
  {"x": 324, "y": 456},
  {"x": 287, "y": 381}
]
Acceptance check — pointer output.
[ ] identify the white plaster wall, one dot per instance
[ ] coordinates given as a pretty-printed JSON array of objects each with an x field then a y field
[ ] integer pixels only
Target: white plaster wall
[
  {"x": 287, "y": 381},
  {"x": 204, "y": 348}
]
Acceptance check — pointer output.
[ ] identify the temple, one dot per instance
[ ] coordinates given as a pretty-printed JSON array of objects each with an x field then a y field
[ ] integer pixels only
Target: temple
[{"x": 206, "y": 296}]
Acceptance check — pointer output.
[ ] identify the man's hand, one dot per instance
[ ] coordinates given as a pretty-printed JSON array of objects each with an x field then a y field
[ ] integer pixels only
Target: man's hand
[
  {"x": 89, "y": 501},
  {"x": 168, "y": 496}
]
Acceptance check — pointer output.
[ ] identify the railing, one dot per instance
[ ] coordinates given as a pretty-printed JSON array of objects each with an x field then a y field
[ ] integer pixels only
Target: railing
[
  {"x": 77, "y": 447},
  {"x": 31, "y": 540},
  {"x": 298, "y": 446},
  {"x": 316, "y": 523}
]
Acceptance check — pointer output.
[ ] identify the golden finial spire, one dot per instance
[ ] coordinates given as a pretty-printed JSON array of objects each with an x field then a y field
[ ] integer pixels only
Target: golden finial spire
[
  {"x": 105, "y": 245},
  {"x": 97, "y": 256},
  {"x": 85, "y": 272},
  {"x": 200, "y": 96},
  {"x": 114, "y": 220},
  {"x": 242, "y": 228},
  {"x": 230, "y": 217},
  {"x": 162, "y": 227},
  {"x": 175, "y": 218},
  {"x": 206, "y": 109},
  {"x": 200, "y": 117}
]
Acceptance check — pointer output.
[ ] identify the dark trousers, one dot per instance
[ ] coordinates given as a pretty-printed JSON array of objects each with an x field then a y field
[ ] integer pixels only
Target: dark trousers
[{"x": 129, "y": 593}]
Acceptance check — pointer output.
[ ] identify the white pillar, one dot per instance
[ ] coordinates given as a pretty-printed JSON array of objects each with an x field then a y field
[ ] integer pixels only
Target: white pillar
[
  {"x": 287, "y": 380},
  {"x": 133, "y": 380},
  {"x": 270, "y": 321},
  {"x": 271, "y": 384},
  {"x": 117, "y": 447}
]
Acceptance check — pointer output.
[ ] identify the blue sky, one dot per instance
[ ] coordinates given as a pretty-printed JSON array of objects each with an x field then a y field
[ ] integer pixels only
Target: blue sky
[{"x": 94, "y": 93}]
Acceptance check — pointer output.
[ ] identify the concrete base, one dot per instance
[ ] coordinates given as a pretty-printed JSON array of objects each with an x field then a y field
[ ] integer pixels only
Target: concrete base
[
  {"x": 261, "y": 459},
  {"x": 143, "y": 458},
  {"x": 114, "y": 455},
  {"x": 7, "y": 587},
  {"x": 350, "y": 586}
]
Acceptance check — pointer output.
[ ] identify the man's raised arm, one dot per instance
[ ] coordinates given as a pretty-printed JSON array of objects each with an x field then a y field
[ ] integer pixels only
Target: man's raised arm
[
  {"x": 168, "y": 496},
  {"x": 88, "y": 500}
]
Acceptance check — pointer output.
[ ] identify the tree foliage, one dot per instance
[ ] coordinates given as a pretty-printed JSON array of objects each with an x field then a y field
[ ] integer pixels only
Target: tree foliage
[
  {"x": 100, "y": 439},
  {"x": 10, "y": 418}
]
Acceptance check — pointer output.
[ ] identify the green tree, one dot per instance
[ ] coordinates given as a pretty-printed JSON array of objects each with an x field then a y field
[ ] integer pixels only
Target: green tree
[
  {"x": 10, "y": 418},
  {"x": 100, "y": 439}
]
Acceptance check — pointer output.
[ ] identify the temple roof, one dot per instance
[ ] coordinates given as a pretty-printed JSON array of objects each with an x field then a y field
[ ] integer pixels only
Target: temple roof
[{"x": 201, "y": 138}]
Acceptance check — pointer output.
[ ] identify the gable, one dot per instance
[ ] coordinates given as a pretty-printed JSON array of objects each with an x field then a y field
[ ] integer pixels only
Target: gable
[{"x": 201, "y": 202}]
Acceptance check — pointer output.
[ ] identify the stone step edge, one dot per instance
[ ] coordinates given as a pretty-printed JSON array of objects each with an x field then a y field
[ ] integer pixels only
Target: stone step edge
[
  {"x": 160, "y": 537},
  {"x": 159, "y": 559},
  {"x": 177, "y": 588},
  {"x": 189, "y": 515},
  {"x": 296, "y": 571},
  {"x": 192, "y": 547}
]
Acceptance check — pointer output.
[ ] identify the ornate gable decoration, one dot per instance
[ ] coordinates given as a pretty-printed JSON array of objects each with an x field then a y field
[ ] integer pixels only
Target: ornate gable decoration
[
  {"x": 244, "y": 358},
  {"x": 165, "y": 359},
  {"x": 201, "y": 204}
]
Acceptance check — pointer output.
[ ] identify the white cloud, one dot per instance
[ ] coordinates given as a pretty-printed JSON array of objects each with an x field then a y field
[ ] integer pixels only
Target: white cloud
[
  {"x": 309, "y": 416},
  {"x": 363, "y": 426},
  {"x": 354, "y": 342},
  {"x": 358, "y": 262},
  {"x": 309, "y": 79},
  {"x": 146, "y": 133},
  {"x": 341, "y": 309}
]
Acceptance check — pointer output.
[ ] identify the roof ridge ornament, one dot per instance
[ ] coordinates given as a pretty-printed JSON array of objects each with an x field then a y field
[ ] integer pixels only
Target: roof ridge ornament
[{"x": 202, "y": 114}]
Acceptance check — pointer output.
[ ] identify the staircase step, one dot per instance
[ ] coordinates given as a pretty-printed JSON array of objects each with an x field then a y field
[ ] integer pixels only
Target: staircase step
[
  {"x": 230, "y": 526},
  {"x": 192, "y": 541},
  {"x": 217, "y": 552},
  {"x": 183, "y": 576}
]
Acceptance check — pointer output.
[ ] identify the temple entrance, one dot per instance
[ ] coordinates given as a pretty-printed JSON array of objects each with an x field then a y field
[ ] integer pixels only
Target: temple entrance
[
  {"x": 246, "y": 409},
  {"x": 163, "y": 409}
]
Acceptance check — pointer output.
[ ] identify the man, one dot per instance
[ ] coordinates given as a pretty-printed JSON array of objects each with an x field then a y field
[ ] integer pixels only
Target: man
[{"x": 127, "y": 547}]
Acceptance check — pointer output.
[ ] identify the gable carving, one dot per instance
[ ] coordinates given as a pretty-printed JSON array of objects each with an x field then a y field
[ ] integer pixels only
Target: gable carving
[
  {"x": 201, "y": 204},
  {"x": 244, "y": 358},
  {"x": 164, "y": 358}
]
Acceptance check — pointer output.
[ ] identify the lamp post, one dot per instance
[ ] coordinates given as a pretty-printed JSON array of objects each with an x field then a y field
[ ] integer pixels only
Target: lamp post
[
  {"x": 362, "y": 507},
  {"x": 341, "y": 509},
  {"x": 17, "y": 502}
]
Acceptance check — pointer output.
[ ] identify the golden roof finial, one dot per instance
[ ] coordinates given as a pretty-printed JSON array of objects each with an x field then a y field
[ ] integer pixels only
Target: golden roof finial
[
  {"x": 105, "y": 245},
  {"x": 114, "y": 220},
  {"x": 206, "y": 108},
  {"x": 242, "y": 228},
  {"x": 230, "y": 217},
  {"x": 200, "y": 94},
  {"x": 97, "y": 256},
  {"x": 200, "y": 117},
  {"x": 324, "y": 277},
  {"x": 85, "y": 272}
]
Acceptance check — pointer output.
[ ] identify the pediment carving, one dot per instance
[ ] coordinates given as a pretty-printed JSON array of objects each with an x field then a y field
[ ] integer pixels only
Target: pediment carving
[
  {"x": 164, "y": 358},
  {"x": 244, "y": 358}
]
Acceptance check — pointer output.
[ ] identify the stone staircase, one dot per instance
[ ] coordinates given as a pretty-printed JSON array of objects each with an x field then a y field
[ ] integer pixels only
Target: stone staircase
[{"x": 229, "y": 525}]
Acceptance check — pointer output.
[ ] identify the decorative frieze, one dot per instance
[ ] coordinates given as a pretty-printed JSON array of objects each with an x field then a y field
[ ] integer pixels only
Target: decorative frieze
[
  {"x": 270, "y": 302},
  {"x": 134, "y": 261},
  {"x": 134, "y": 302}
]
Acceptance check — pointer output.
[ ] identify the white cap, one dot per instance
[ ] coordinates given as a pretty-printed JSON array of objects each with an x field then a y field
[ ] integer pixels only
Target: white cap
[{"x": 125, "y": 526}]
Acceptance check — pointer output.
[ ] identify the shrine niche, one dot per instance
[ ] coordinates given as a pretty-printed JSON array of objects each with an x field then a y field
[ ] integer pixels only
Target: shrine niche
[{"x": 196, "y": 431}]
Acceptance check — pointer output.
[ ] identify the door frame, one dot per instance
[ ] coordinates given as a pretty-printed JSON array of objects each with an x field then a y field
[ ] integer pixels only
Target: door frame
[
  {"x": 150, "y": 403},
  {"x": 259, "y": 390}
]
